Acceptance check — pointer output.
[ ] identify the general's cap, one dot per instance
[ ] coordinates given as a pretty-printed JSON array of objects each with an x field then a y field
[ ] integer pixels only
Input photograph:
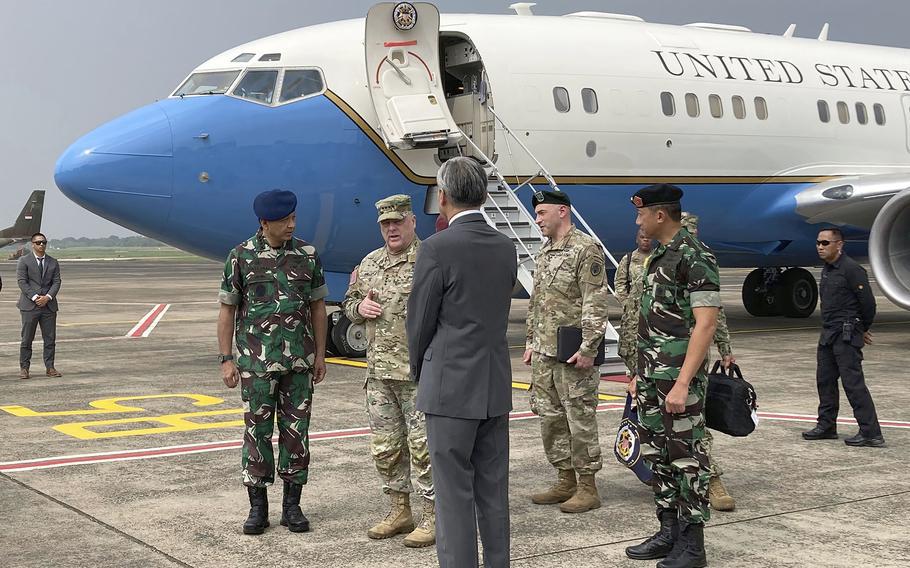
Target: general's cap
[
  {"x": 657, "y": 194},
  {"x": 393, "y": 207},
  {"x": 274, "y": 205},
  {"x": 550, "y": 197},
  {"x": 690, "y": 221}
]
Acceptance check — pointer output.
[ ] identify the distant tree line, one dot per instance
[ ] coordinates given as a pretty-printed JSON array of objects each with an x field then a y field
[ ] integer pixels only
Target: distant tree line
[{"x": 107, "y": 242}]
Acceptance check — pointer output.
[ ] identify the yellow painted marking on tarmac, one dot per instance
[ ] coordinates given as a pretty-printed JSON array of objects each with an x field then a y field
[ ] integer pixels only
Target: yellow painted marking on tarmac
[
  {"x": 172, "y": 423},
  {"x": 526, "y": 386},
  {"x": 112, "y": 405},
  {"x": 348, "y": 362}
]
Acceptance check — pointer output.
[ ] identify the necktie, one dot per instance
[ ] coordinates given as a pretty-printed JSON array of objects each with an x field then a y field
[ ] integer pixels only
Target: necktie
[{"x": 41, "y": 266}]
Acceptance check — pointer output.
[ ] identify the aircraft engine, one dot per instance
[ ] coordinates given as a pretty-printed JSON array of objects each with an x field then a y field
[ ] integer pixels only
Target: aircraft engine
[{"x": 889, "y": 249}]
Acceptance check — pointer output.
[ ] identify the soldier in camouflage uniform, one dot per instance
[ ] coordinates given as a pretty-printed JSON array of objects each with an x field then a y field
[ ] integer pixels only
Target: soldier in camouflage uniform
[
  {"x": 272, "y": 303},
  {"x": 378, "y": 296},
  {"x": 569, "y": 290},
  {"x": 679, "y": 307},
  {"x": 627, "y": 285},
  {"x": 720, "y": 499}
]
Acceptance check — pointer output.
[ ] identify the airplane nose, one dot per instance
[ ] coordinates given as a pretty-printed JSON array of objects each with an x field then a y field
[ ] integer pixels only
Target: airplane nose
[{"x": 123, "y": 170}]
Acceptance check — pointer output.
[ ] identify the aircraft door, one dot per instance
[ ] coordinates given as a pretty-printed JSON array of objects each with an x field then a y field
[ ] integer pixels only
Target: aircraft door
[
  {"x": 905, "y": 101},
  {"x": 402, "y": 65}
]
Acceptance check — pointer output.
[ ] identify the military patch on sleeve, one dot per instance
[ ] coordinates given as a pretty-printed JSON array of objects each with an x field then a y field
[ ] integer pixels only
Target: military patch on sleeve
[
  {"x": 353, "y": 277},
  {"x": 597, "y": 268}
]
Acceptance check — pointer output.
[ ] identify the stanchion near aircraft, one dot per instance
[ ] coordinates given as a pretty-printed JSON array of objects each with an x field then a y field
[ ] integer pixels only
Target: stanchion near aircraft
[{"x": 769, "y": 136}]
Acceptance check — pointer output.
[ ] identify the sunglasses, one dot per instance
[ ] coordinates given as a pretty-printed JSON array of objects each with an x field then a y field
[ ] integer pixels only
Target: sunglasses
[
  {"x": 39, "y": 243},
  {"x": 824, "y": 242}
]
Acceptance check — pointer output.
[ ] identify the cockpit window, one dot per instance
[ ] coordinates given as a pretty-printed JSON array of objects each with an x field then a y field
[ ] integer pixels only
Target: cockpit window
[
  {"x": 243, "y": 57},
  {"x": 270, "y": 57},
  {"x": 257, "y": 86},
  {"x": 299, "y": 83},
  {"x": 207, "y": 83}
]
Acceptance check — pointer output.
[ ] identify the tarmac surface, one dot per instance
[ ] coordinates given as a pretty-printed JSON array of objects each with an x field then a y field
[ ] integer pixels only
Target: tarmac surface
[{"x": 90, "y": 479}]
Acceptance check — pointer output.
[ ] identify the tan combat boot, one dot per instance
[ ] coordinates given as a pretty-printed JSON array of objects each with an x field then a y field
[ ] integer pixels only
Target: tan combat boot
[
  {"x": 717, "y": 494},
  {"x": 399, "y": 519},
  {"x": 585, "y": 498},
  {"x": 425, "y": 533},
  {"x": 561, "y": 491}
]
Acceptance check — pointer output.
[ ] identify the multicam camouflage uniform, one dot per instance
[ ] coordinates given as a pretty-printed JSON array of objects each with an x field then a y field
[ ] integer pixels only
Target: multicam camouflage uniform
[
  {"x": 272, "y": 289},
  {"x": 628, "y": 285},
  {"x": 679, "y": 276},
  {"x": 569, "y": 290},
  {"x": 399, "y": 429}
]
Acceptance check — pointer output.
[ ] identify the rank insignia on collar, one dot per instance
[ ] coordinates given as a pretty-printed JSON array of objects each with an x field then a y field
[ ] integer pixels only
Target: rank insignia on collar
[{"x": 405, "y": 16}]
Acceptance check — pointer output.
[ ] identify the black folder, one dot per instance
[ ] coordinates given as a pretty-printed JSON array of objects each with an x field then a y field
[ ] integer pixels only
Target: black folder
[{"x": 568, "y": 342}]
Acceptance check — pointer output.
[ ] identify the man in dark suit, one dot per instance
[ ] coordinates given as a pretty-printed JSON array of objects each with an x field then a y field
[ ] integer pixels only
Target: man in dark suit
[
  {"x": 458, "y": 313},
  {"x": 39, "y": 280}
]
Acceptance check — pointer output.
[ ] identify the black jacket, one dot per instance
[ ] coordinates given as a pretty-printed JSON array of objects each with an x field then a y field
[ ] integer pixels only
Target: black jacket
[{"x": 845, "y": 295}]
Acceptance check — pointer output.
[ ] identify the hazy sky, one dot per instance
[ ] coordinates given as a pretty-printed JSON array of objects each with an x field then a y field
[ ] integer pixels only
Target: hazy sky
[{"x": 71, "y": 65}]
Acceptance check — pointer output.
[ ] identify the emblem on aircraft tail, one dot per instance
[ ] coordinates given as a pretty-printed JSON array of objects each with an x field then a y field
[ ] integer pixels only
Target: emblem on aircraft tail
[{"x": 405, "y": 16}]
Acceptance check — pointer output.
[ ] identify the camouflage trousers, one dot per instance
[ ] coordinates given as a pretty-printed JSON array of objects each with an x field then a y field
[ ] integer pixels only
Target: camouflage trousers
[
  {"x": 628, "y": 335},
  {"x": 399, "y": 441},
  {"x": 291, "y": 394},
  {"x": 673, "y": 446},
  {"x": 565, "y": 398},
  {"x": 713, "y": 466}
]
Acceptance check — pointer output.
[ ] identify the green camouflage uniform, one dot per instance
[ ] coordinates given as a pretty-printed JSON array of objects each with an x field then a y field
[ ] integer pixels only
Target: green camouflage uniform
[
  {"x": 272, "y": 289},
  {"x": 628, "y": 284},
  {"x": 399, "y": 440},
  {"x": 679, "y": 276},
  {"x": 569, "y": 290},
  {"x": 724, "y": 348}
]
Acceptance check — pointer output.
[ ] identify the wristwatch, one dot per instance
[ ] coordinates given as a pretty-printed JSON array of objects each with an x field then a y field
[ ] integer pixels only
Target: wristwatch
[{"x": 222, "y": 358}]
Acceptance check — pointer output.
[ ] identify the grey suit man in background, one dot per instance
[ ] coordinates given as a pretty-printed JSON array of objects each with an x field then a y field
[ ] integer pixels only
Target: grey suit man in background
[
  {"x": 458, "y": 313},
  {"x": 39, "y": 280}
]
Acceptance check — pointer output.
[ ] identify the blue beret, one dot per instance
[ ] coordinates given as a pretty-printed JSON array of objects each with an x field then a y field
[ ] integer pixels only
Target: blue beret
[
  {"x": 275, "y": 204},
  {"x": 657, "y": 194}
]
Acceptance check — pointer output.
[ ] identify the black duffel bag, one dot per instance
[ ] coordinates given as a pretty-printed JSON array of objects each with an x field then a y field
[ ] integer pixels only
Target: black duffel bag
[{"x": 730, "y": 402}]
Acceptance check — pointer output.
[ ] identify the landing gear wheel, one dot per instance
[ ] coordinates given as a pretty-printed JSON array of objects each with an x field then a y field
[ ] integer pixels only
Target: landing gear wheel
[
  {"x": 797, "y": 293},
  {"x": 757, "y": 298},
  {"x": 349, "y": 338}
]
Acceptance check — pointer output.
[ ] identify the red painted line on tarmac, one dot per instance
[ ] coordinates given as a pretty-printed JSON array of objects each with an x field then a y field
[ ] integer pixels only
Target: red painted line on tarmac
[
  {"x": 147, "y": 321},
  {"x": 617, "y": 378},
  {"x": 186, "y": 449}
]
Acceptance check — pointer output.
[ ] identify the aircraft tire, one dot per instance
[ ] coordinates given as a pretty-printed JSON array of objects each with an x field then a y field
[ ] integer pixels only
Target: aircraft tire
[
  {"x": 797, "y": 293},
  {"x": 758, "y": 302},
  {"x": 349, "y": 338}
]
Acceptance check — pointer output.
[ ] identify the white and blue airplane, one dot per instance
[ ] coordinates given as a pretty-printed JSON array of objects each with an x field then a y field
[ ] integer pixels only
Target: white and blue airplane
[{"x": 770, "y": 137}]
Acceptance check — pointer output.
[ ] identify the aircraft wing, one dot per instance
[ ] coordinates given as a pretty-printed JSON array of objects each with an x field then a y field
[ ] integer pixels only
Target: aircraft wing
[{"x": 879, "y": 202}]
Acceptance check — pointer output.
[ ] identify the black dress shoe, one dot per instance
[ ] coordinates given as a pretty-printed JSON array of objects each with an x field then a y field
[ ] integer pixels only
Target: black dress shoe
[
  {"x": 860, "y": 440},
  {"x": 819, "y": 433}
]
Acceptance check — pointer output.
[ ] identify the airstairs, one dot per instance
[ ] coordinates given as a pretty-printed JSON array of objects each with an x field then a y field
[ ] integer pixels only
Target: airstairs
[{"x": 505, "y": 211}]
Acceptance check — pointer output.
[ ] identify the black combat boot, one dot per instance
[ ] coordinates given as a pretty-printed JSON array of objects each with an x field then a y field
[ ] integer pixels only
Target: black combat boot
[
  {"x": 259, "y": 511},
  {"x": 291, "y": 515},
  {"x": 661, "y": 543},
  {"x": 690, "y": 552}
]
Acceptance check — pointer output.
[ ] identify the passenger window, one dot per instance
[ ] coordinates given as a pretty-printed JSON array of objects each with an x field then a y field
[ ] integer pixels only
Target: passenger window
[
  {"x": 299, "y": 83},
  {"x": 561, "y": 99},
  {"x": 270, "y": 57},
  {"x": 257, "y": 86},
  {"x": 879, "y": 112},
  {"x": 667, "y": 103},
  {"x": 716, "y": 106},
  {"x": 761, "y": 108},
  {"x": 843, "y": 113},
  {"x": 739, "y": 107},
  {"x": 243, "y": 57},
  {"x": 589, "y": 100},
  {"x": 691, "y": 105},
  {"x": 823, "y": 114},
  {"x": 862, "y": 116}
]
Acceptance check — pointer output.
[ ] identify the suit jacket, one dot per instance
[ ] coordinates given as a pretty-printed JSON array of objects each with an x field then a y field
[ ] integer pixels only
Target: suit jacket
[
  {"x": 458, "y": 314},
  {"x": 31, "y": 281}
]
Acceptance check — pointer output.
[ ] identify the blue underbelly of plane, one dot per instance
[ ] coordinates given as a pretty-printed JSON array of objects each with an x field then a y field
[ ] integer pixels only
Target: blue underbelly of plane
[{"x": 185, "y": 171}]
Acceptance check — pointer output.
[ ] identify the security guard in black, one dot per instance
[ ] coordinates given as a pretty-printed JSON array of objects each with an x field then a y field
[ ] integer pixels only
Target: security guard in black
[{"x": 848, "y": 309}]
